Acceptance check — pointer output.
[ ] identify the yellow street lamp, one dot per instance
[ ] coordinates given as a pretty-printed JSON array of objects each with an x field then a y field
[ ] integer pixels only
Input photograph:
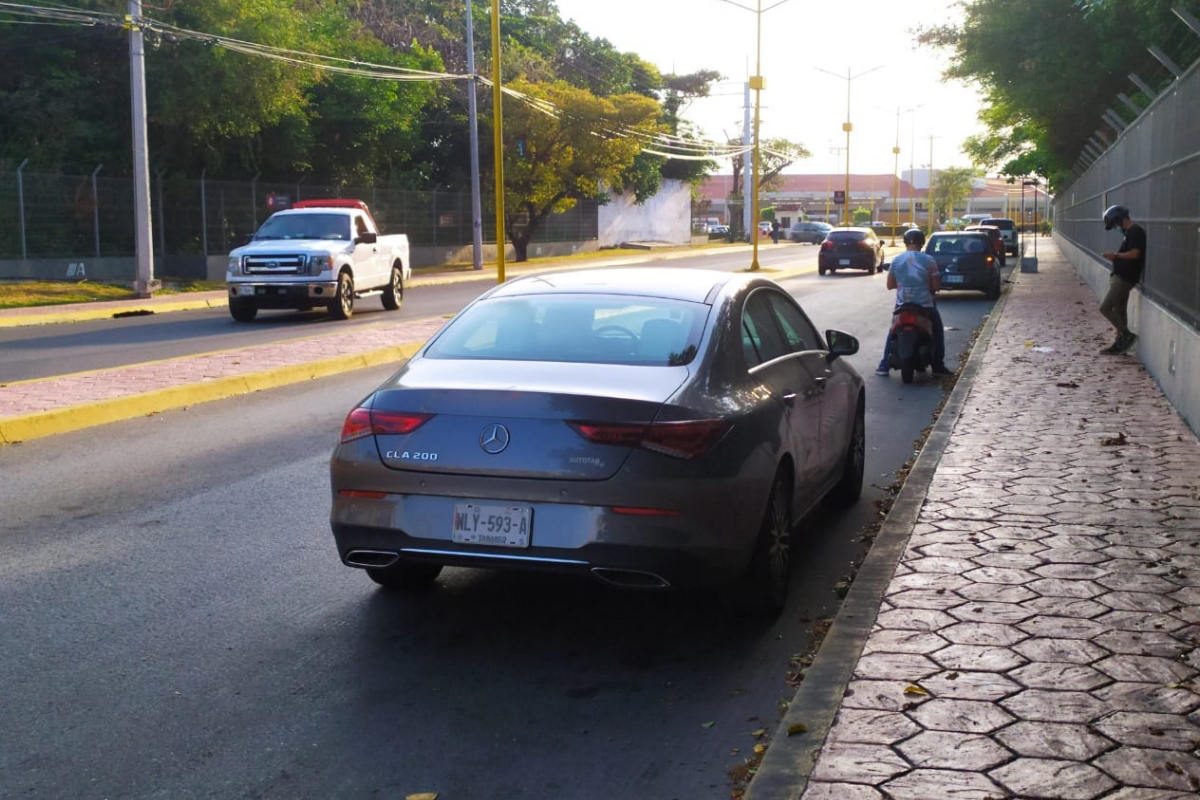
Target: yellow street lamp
[{"x": 847, "y": 126}]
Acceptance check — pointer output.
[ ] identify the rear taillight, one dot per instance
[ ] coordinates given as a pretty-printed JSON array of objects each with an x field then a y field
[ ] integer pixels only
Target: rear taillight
[
  {"x": 686, "y": 439},
  {"x": 373, "y": 422},
  {"x": 906, "y": 318},
  {"x": 827, "y": 244}
]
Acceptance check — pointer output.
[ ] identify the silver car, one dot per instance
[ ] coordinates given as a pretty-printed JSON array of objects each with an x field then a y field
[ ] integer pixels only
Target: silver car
[{"x": 651, "y": 427}]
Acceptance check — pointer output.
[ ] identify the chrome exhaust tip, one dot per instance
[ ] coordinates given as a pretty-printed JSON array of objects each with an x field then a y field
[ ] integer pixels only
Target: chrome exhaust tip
[
  {"x": 371, "y": 559},
  {"x": 631, "y": 578}
]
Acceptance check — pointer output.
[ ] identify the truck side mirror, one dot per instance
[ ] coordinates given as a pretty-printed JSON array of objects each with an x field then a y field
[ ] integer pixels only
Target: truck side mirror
[{"x": 366, "y": 238}]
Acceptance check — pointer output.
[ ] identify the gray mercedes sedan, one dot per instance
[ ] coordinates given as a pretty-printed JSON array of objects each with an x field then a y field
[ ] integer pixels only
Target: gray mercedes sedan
[{"x": 651, "y": 427}]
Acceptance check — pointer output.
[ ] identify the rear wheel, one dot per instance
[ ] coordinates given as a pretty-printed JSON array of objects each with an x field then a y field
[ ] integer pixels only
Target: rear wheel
[
  {"x": 907, "y": 370},
  {"x": 406, "y": 577},
  {"x": 393, "y": 295},
  {"x": 766, "y": 580},
  {"x": 993, "y": 293},
  {"x": 820, "y": 270},
  {"x": 342, "y": 306},
  {"x": 242, "y": 310}
]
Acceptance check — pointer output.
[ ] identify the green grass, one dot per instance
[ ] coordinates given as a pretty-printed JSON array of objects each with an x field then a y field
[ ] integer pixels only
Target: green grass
[{"x": 26, "y": 294}]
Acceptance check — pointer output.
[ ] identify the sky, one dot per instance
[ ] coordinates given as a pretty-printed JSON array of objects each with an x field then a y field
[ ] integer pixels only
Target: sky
[{"x": 869, "y": 39}]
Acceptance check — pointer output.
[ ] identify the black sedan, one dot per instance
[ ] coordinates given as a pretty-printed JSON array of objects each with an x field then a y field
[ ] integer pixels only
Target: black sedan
[
  {"x": 850, "y": 248},
  {"x": 966, "y": 260},
  {"x": 648, "y": 427}
]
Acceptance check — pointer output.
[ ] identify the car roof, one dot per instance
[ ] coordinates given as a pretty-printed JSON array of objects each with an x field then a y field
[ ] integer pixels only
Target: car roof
[
  {"x": 984, "y": 228},
  {"x": 693, "y": 285}
]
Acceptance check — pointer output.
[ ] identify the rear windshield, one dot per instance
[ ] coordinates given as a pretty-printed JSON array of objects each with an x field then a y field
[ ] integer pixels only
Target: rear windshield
[
  {"x": 582, "y": 329},
  {"x": 973, "y": 243},
  {"x": 1002, "y": 224},
  {"x": 853, "y": 236}
]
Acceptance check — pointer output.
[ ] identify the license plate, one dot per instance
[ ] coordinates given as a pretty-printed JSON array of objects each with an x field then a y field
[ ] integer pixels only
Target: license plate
[
  {"x": 501, "y": 526},
  {"x": 843, "y": 262},
  {"x": 953, "y": 279},
  {"x": 245, "y": 290}
]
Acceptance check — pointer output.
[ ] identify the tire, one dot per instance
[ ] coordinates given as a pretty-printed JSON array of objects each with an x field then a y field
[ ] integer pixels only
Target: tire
[
  {"x": 393, "y": 295},
  {"x": 994, "y": 292},
  {"x": 820, "y": 270},
  {"x": 907, "y": 370},
  {"x": 767, "y": 577},
  {"x": 342, "y": 306},
  {"x": 871, "y": 270},
  {"x": 849, "y": 488},
  {"x": 242, "y": 310},
  {"x": 406, "y": 577}
]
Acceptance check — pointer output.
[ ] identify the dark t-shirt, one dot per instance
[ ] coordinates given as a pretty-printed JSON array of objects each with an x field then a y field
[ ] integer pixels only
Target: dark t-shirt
[{"x": 1131, "y": 269}]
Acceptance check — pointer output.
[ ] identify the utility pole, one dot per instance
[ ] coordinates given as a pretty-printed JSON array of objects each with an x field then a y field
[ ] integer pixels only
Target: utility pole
[
  {"x": 144, "y": 285},
  {"x": 476, "y": 203},
  {"x": 498, "y": 139}
]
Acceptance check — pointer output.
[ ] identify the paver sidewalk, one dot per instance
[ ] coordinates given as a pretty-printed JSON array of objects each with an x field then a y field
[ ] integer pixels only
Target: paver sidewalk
[{"x": 1038, "y": 638}]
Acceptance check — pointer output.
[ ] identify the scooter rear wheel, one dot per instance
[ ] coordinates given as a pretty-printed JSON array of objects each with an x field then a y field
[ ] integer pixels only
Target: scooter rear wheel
[{"x": 907, "y": 371}]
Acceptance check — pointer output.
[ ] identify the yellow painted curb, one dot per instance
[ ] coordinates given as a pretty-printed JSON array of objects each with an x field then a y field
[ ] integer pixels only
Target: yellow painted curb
[
  {"x": 74, "y": 418},
  {"x": 81, "y": 313}
]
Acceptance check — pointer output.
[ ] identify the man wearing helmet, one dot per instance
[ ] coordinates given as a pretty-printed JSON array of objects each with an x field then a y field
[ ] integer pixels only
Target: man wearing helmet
[
  {"x": 1127, "y": 265},
  {"x": 915, "y": 277}
]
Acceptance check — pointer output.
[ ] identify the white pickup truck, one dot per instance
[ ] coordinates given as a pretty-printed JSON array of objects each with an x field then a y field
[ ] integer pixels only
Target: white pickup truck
[{"x": 317, "y": 253}]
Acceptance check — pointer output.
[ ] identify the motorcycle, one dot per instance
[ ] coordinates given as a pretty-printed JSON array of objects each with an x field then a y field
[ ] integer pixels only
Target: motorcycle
[{"x": 910, "y": 348}]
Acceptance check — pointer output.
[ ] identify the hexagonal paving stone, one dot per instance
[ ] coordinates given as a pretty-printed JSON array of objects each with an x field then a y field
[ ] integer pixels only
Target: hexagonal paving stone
[
  {"x": 1002, "y": 613},
  {"x": 904, "y": 642},
  {"x": 1060, "y": 587},
  {"x": 1048, "y": 778},
  {"x": 982, "y": 633},
  {"x": 1039, "y": 704},
  {"x": 1001, "y": 575},
  {"x": 840, "y": 791},
  {"x": 1137, "y": 601},
  {"x": 1071, "y": 572},
  {"x": 1157, "y": 769},
  {"x": 939, "y": 564},
  {"x": 871, "y": 726},
  {"x": 1065, "y": 607},
  {"x": 1143, "y": 643},
  {"x": 1024, "y": 561},
  {"x": 1148, "y": 697},
  {"x": 1158, "y": 731},
  {"x": 1144, "y": 669},
  {"x": 945, "y": 750},
  {"x": 925, "y": 784},
  {"x": 1073, "y": 742},
  {"x": 890, "y": 666},
  {"x": 880, "y": 695},
  {"x": 1062, "y": 627},
  {"x": 951, "y": 550},
  {"x": 991, "y": 686},
  {"x": 984, "y": 592},
  {"x": 1138, "y": 793},
  {"x": 927, "y": 598},
  {"x": 1135, "y": 621},
  {"x": 1125, "y": 582},
  {"x": 858, "y": 763},
  {"x": 914, "y": 619},
  {"x": 978, "y": 658},
  {"x": 1070, "y": 651},
  {"x": 1071, "y": 555},
  {"x": 962, "y": 716},
  {"x": 926, "y": 580},
  {"x": 1050, "y": 675}
]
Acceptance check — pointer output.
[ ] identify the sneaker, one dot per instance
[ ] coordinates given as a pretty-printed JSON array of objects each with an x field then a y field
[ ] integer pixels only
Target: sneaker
[
  {"x": 1113, "y": 348},
  {"x": 1127, "y": 341},
  {"x": 941, "y": 369},
  {"x": 882, "y": 369}
]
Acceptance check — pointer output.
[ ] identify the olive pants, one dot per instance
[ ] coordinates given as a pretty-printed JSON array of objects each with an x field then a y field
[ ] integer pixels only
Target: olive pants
[{"x": 1114, "y": 307}]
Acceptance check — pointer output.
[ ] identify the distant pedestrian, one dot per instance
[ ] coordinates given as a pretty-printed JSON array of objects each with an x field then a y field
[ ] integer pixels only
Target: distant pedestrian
[
  {"x": 1127, "y": 265},
  {"x": 775, "y": 226}
]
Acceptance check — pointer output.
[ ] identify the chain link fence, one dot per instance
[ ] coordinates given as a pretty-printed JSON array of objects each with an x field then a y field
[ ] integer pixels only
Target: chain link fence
[
  {"x": 46, "y": 216},
  {"x": 1154, "y": 170}
]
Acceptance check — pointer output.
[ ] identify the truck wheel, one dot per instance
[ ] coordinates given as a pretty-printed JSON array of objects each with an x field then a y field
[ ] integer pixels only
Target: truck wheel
[
  {"x": 242, "y": 310},
  {"x": 342, "y": 306},
  {"x": 393, "y": 295}
]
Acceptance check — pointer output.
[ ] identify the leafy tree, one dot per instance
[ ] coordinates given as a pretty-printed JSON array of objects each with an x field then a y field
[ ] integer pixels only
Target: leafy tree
[
  {"x": 1049, "y": 68},
  {"x": 951, "y": 187},
  {"x": 775, "y": 155},
  {"x": 553, "y": 160}
]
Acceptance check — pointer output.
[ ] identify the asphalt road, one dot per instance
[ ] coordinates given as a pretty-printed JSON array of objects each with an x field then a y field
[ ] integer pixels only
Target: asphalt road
[{"x": 176, "y": 622}]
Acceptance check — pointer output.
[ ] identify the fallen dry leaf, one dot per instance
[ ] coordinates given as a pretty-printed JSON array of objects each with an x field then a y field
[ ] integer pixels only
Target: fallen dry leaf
[
  {"x": 913, "y": 689},
  {"x": 796, "y": 728},
  {"x": 423, "y": 796}
]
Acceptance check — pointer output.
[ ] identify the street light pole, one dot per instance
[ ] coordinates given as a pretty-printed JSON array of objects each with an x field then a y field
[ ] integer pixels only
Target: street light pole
[
  {"x": 847, "y": 126},
  {"x": 757, "y": 84},
  {"x": 498, "y": 140}
]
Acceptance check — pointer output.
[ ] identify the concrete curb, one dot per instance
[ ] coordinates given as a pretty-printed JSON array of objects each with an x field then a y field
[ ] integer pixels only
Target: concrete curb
[
  {"x": 791, "y": 757},
  {"x": 65, "y": 420}
]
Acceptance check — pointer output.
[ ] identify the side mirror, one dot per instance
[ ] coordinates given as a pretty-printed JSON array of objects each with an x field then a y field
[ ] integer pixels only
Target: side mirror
[
  {"x": 840, "y": 344},
  {"x": 366, "y": 238}
]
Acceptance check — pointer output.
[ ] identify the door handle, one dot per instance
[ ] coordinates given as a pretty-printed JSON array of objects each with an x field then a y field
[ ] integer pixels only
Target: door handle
[
  {"x": 821, "y": 381},
  {"x": 789, "y": 399}
]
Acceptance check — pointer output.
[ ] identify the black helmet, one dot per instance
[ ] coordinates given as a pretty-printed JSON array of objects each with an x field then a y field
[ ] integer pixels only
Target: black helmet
[
  {"x": 914, "y": 236},
  {"x": 1114, "y": 215}
]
